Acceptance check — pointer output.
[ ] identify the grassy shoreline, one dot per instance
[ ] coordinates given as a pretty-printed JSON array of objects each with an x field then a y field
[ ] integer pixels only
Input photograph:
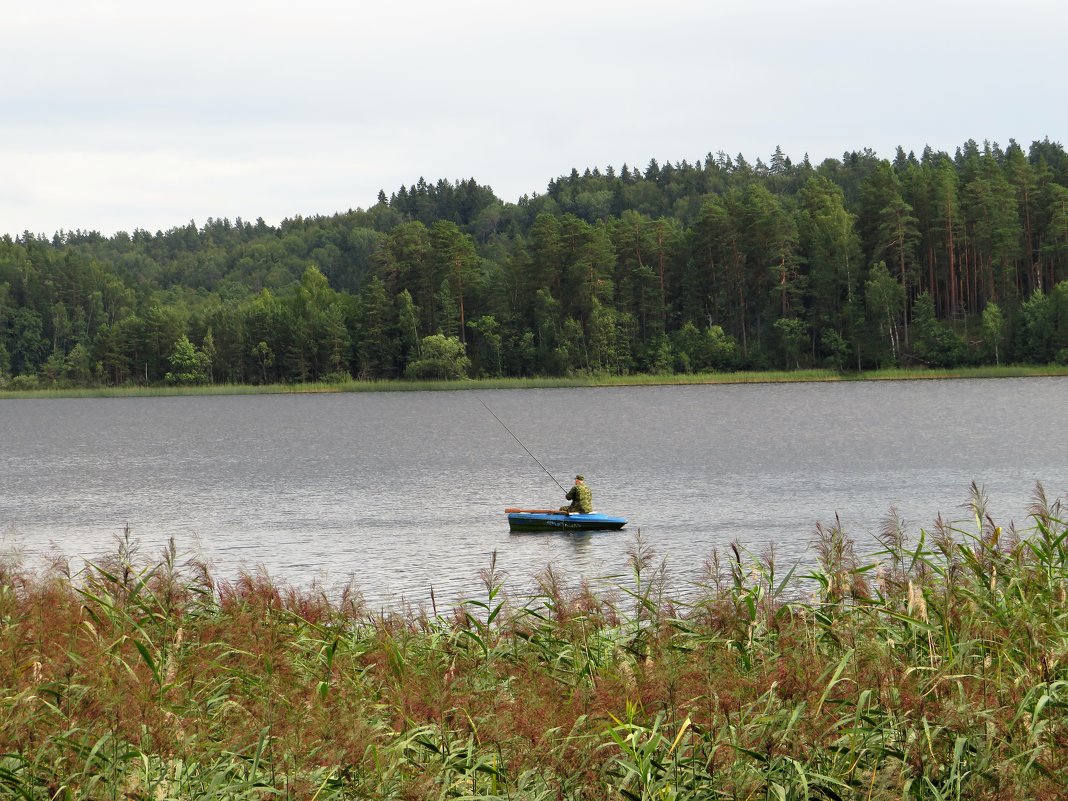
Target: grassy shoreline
[
  {"x": 939, "y": 672},
  {"x": 764, "y": 377}
]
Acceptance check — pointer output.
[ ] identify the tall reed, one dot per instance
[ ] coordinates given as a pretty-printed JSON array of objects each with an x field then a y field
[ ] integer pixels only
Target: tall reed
[{"x": 936, "y": 669}]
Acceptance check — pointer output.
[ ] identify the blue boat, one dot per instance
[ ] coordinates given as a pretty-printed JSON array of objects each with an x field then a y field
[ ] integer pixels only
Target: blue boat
[{"x": 552, "y": 520}]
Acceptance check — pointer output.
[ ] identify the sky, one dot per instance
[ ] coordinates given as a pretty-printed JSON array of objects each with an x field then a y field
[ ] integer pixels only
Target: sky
[{"x": 118, "y": 115}]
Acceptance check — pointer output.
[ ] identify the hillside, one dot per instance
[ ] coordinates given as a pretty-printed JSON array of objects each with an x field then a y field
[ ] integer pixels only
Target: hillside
[{"x": 939, "y": 260}]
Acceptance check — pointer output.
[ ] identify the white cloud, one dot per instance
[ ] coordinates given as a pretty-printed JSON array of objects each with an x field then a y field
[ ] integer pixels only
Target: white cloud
[{"x": 123, "y": 115}]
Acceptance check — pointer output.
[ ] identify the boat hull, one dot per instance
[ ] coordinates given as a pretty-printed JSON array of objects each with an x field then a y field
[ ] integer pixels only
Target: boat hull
[{"x": 561, "y": 521}]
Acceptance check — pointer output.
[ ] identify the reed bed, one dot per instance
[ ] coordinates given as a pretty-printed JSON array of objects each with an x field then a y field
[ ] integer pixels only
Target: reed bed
[
  {"x": 170, "y": 391},
  {"x": 985, "y": 371},
  {"x": 938, "y": 670},
  {"x": 592, "y": 380}
]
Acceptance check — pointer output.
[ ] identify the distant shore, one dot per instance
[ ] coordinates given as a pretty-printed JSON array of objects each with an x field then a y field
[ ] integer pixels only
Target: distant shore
[{"x": 401, "y": 385}]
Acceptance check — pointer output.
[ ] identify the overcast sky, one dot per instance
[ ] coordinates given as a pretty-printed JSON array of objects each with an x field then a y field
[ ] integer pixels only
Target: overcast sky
[{"x": 121, "y": 115}]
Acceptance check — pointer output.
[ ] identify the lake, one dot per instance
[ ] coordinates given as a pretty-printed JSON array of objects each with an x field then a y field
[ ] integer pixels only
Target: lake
[{"x": 405, "y": 491}]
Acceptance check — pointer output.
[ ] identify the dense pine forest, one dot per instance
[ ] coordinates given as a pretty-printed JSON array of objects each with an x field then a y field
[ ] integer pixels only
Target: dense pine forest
[{"x": 939, "y": 260}]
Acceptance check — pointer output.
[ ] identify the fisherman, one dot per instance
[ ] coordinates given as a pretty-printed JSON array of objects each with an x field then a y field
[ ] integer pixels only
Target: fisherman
[{"x": 580, "y": 496}]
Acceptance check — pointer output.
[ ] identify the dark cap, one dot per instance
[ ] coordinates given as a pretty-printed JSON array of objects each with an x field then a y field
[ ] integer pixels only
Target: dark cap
[{"x": 580, "y": 477}]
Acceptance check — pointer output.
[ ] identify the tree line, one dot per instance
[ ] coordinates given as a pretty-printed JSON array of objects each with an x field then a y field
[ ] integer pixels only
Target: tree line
[{"x": 859, "y": 262}]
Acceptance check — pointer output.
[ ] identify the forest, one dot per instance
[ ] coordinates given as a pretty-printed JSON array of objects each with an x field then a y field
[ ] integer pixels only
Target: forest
[{"x": 941, "y": 260}]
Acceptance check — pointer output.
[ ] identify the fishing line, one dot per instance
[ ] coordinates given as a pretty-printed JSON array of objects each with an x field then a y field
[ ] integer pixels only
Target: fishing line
[{"x": 524, "y": 447}]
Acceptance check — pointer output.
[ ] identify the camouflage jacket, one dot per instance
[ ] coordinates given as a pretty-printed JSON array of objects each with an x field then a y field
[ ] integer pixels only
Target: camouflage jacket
[{"x": 581, "y": 499}]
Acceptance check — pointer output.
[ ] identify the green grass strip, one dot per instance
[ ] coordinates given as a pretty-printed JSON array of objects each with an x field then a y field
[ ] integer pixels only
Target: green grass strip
[{"x": 402, "y": 385}]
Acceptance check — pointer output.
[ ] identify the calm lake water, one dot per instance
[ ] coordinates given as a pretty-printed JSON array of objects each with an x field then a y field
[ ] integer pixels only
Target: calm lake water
[{"x": 405, "y": 492}]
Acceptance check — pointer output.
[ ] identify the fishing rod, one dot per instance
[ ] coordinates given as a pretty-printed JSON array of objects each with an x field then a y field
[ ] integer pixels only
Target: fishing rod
[{"x": 524, "y": 447}]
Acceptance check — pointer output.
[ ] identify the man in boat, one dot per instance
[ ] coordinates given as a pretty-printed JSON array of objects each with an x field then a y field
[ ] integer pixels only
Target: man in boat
[{"x": 580, "y": 496}]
